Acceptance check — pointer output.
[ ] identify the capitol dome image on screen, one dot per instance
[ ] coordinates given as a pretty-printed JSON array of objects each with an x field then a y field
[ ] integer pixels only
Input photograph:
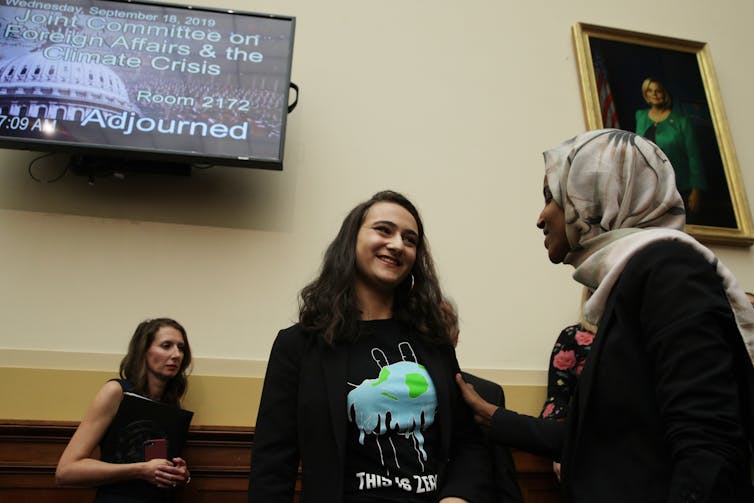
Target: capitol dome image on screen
[{"x": 33, "y": 86}]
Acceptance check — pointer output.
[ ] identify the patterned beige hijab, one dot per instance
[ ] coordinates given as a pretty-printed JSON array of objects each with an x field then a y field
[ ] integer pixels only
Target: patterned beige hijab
[{"x": 618, "y": 193}]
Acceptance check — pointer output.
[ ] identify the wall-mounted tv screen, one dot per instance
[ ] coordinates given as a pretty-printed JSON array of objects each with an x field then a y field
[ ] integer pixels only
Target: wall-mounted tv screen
[{"x": 158, "y": 82}]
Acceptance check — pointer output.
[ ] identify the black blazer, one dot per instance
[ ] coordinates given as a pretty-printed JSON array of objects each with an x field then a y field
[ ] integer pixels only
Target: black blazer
[
  {"x": 661, "y": 410},
  {"x": 302, "y": 417},
  {"x": 505, "y": 487}
]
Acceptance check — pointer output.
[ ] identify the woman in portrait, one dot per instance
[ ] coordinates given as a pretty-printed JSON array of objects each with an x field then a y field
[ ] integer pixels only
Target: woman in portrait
[
  {"x": 361, "y": 390},
  {"x": 664, "y": 406},
  {"x": 673, "y": 133},
  {"x": 155, "y": 368}
]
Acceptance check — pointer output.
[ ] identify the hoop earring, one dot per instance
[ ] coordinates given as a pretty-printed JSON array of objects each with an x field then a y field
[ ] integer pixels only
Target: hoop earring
[{"x": 412, "y": 283}]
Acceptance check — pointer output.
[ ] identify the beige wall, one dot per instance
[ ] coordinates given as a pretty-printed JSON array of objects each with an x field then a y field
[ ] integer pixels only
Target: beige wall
[
  {"x": 449, "y": 102},
  {"x": 64, "y": 395}
]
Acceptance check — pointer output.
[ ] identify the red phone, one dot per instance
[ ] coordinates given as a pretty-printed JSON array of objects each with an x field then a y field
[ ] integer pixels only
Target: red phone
[{"x": 156, "y": 448}]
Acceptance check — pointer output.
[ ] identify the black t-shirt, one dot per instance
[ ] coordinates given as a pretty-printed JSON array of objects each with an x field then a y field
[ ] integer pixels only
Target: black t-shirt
[{"x": 393, "y": 440}]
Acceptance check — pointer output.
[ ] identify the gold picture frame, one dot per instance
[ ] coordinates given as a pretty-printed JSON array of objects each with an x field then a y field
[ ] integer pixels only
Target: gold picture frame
[{"x": 616, "y": 67}]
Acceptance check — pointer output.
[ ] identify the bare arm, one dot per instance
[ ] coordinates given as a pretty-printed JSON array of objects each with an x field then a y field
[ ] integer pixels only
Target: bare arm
[{"x": 77, "y": 467}]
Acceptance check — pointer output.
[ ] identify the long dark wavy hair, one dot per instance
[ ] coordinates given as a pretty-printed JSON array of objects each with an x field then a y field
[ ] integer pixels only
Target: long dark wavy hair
[
  {"x": 328, "y": 304},
  {"x": 133, "y": 367}
]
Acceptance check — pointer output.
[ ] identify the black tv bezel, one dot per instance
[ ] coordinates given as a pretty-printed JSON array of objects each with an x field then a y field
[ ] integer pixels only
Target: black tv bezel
[{"x": 92, "y": 150}]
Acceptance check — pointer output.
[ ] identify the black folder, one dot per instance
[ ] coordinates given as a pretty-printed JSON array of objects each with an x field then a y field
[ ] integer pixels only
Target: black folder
[{"x": 140, "y": 419}]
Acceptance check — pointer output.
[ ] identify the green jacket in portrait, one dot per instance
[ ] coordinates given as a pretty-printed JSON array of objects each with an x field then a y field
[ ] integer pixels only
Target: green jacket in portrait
[{"x": 675, "y": 137}]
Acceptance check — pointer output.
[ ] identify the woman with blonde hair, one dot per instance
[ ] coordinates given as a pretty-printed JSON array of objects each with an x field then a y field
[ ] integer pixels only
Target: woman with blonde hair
[{"x": 673, "y": 133}]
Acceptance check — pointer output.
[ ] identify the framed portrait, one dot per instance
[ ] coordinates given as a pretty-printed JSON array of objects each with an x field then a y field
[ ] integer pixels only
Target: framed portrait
[{"x": 665, "y": 89}]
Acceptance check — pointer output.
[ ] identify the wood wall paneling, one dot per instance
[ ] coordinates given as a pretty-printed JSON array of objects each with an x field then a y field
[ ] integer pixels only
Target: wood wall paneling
[{"x": 218, "y": 457}]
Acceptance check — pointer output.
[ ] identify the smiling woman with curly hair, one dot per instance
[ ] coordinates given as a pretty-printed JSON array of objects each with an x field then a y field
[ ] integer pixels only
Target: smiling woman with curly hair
[{"x": 360, "y": 392}]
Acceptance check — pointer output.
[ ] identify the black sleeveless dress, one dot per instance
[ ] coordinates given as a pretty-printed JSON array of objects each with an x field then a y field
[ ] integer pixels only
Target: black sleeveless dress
[{"x": 128, "y": 447}]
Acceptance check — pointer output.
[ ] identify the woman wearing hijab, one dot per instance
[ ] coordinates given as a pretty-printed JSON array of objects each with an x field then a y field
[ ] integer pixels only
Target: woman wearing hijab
[{"x": 664, "y": 406}]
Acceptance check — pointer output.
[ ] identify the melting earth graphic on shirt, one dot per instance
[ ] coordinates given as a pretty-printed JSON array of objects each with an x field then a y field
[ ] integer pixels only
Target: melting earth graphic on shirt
[{"x": 401, "y": 399}]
